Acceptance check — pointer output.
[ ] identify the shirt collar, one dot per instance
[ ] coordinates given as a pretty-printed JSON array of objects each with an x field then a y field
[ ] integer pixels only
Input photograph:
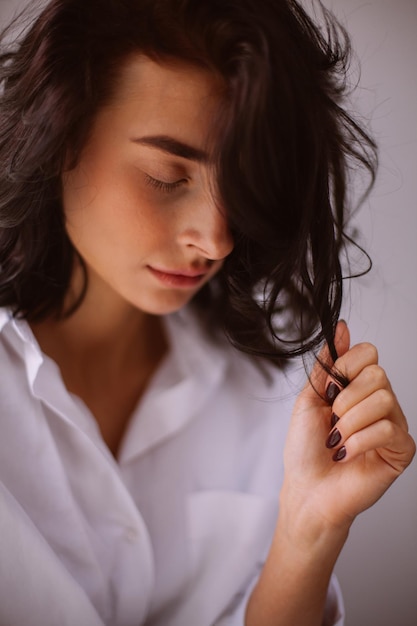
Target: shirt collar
[
  {"x": 19, "y": 334},
  {"x": 184, "y": 382}
]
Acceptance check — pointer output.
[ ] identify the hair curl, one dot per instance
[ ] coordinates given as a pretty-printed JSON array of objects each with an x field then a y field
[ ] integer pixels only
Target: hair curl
[{"x": 284, "y": 147}]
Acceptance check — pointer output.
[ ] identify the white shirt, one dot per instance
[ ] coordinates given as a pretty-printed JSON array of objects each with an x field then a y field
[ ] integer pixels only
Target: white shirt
[{"x": 172, "y": 533}]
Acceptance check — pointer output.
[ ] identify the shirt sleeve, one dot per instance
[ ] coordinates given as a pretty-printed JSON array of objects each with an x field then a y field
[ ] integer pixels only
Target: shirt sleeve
[
  {"x": 335, "y": 608},
  {"x": 334, "y": 614}
]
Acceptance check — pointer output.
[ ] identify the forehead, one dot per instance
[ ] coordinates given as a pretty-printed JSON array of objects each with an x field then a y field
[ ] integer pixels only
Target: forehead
[{"x": 168, "y": 97}]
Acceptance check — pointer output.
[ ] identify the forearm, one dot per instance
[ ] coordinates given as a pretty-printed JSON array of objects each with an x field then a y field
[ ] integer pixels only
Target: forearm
[{"x": 292, "y": 588}]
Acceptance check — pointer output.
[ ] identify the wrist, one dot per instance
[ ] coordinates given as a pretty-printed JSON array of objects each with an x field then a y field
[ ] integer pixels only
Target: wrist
[
  {"x": 305, "y": 526},
  {"x": 292, "y": 588}
]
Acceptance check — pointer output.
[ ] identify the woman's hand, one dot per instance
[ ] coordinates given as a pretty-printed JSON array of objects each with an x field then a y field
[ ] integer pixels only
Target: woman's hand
[
  {"x": 342, "y": 453},
  {"x": 341, "y": 457}
]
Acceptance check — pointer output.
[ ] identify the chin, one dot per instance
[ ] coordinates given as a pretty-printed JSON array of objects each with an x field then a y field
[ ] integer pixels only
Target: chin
[{"x": 163, "y": 306}]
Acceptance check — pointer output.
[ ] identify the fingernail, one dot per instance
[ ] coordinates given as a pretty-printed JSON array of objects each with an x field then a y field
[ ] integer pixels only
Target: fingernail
[
  {"x": 334, "y": 420},
  {"x": 340, "y": 454},
  {"x": 332, "y": 392},
  {"x": 333, "y": 439}
]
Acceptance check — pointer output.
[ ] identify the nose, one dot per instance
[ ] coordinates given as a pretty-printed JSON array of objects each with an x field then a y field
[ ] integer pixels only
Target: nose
[{"x": 206, "y": 229}]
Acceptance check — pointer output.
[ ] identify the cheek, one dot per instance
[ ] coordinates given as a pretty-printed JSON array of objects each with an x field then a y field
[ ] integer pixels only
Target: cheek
[
  {"x": 109, "y": 209},
  {"x": 140, "y": 215},
  {"x": 79, "y": 198}
]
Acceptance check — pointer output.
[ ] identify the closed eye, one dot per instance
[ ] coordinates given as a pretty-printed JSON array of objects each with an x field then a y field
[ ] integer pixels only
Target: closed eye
[{"x": 162, "y": 185}]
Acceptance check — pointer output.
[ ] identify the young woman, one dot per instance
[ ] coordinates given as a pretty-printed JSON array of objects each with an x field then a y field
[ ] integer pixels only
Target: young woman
[{"x": 173, "y": 186}]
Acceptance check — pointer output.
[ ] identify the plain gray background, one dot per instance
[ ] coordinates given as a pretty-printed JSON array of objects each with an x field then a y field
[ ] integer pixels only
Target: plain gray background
[{"x": 378, "y": 567}]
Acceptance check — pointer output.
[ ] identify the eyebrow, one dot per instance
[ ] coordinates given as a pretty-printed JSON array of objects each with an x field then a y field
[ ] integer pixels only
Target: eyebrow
[{"x": 173, "y": 146}]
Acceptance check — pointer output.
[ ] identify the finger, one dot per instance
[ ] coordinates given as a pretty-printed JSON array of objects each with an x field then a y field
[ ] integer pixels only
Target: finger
[
  {"x": 319, "y": 379},
  {"x": 350, "y": 365},
  {"x": 389, "y": 442},
  {"x": 368, "y": 381},
  {"x": 352, "y": 362},
  {"x": 342, "y": 338},
  {"x": 380, "y": 405}
]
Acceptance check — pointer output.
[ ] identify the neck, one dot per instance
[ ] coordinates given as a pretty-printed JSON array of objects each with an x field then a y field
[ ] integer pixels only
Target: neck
[
  {"x": 107, "y": 352},
  {"x": 105, "y": 335}
]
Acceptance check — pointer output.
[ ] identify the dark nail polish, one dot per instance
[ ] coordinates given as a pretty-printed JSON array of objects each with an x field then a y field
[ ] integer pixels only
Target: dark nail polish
[
  {"x": 334, "y": 438},
  {"x": 340, "y": 454},
  {"x": 334, "y": 420},
  {"x": 332, "y": 392}
]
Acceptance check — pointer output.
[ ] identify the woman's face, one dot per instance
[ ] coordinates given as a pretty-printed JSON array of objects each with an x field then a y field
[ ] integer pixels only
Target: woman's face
[{"x": 139, "y": 207}]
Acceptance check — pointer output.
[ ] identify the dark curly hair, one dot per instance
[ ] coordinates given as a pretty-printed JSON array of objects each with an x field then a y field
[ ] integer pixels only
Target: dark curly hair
[{"x": 283, "y": 152}]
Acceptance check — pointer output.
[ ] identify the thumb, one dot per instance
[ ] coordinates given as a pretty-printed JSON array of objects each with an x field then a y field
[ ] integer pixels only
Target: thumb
[
  {"x": 316, "y": 384},
  {"x": 342, "y": 338}
]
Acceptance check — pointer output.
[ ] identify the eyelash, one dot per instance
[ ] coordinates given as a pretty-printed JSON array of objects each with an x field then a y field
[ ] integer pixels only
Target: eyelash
[{"x": 162, "y": 185}]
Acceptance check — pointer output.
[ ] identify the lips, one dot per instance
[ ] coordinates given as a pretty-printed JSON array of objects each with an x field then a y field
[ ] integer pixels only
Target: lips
[
  {"x": 188, "y": 273},
  {"x": 181, "y": 278}
]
